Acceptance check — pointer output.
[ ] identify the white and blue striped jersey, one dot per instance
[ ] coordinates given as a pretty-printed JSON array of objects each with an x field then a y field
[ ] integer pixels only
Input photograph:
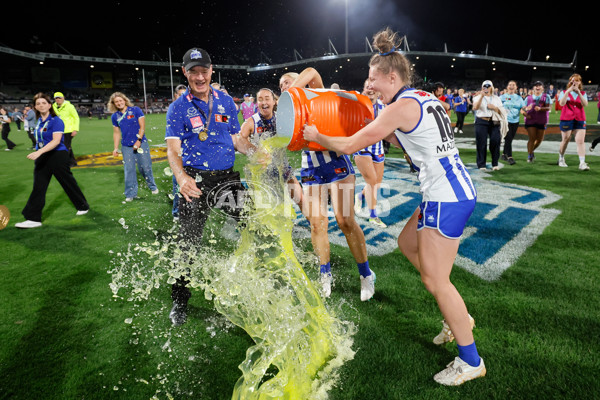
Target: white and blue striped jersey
[
  {"x": 431, "y": 147},
  {"x": 315, "y": 159},
  {"x": 376, "y": 148}
]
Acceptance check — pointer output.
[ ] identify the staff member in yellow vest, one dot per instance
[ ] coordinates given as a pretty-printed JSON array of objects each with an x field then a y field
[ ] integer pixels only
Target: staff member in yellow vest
[{"x": 67, "y": 112}]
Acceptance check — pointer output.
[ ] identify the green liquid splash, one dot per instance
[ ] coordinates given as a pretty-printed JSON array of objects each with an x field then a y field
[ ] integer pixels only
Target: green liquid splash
[
  {"x": 274, "y": 301},
  {"x": 262, "y": 288}
]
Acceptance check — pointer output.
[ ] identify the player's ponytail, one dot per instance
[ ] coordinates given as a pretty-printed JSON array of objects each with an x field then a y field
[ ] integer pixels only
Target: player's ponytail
[{"x": 388, "y": 58}]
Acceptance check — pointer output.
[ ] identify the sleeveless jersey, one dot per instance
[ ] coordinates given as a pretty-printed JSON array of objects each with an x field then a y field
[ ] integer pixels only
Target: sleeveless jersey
[
  {"x": 263, "y": 128},
  {"x": 376, "y": 148},
  {"x": 431, "y": 147}
]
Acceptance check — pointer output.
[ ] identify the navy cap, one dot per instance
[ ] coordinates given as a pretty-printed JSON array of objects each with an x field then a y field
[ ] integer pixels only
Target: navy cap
[{"x": 196, "y": 57}]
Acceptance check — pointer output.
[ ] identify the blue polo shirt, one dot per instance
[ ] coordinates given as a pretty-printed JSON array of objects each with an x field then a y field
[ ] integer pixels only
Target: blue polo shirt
[
  {"x": 513, "y": 104},
  {"x": 129, "y": 124},
  {"x": 44, "y": 131},
  {"x": 458, "y": 106},
  {"x": 186, "y": 118}
]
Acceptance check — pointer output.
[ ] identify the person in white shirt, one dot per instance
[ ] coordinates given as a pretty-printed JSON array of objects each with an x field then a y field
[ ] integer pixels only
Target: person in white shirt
[{"x": 485, "y": 104}]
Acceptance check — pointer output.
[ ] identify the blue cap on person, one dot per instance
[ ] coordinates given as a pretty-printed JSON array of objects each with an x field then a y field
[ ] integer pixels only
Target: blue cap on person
[
  {"x": 196, "y": 57},
  {"x": 59, "y": 95},
  {"x": 246, "y": 95}
]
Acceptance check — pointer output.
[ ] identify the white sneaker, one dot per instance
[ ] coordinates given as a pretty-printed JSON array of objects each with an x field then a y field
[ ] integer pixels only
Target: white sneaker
[
  {"x": 128, "y": 198},
  {"x": 591, "y": 148},
  {"x": 562, "y": 163},
  {"x": 82, "y": 212},
  {"x": 446, "y": 334},
  {"x": 155, "y": 191},
  {"x": 584, "y": 167},
  {"x": 459, "y": 372},
  {"x": 28, "y": 224},
  {"x": 357, "y": 203},
  {"x": 326, "y": 280},
  {"x": 367, "y": 286},
  {"x": 455, "y": 130},
  {"x": 460, "y": 131},
  {"x": 378, "y": 222}
]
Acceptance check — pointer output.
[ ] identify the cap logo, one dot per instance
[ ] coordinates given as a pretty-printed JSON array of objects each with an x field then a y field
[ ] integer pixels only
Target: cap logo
[{"x": 195, "y": 55}]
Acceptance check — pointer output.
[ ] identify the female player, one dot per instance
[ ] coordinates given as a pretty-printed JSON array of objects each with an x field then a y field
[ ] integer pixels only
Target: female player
[
  {"x": 572, "y": 120},
  {"x": 430, "y": 238},
  {"x": 263, "y": 125},
  {"x": 369, "y": 162},
  {"x": 324, "y": 174}
]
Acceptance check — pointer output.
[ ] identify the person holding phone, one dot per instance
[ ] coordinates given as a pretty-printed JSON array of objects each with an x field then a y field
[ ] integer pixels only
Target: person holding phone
[{"x": 572, "y": 120}]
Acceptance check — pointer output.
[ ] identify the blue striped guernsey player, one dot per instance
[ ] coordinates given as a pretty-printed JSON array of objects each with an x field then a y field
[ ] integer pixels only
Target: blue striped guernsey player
[{"x": 430, "y": 238}]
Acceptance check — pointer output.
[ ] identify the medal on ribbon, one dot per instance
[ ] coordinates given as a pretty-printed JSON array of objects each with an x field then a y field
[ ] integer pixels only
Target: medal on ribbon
[{"x": 203, "y": 135}]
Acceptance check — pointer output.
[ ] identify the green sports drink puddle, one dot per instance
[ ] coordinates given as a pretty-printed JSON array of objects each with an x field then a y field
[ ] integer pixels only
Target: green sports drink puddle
[{"x": 262, "y": 288}]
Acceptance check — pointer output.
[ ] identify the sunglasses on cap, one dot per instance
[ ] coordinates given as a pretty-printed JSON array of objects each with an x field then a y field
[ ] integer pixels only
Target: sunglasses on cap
[{"x": 487, "y": 85}]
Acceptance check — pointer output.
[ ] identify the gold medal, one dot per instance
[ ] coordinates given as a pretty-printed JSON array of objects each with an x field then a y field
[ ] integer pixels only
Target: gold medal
[{"x": 203, "y": 135}]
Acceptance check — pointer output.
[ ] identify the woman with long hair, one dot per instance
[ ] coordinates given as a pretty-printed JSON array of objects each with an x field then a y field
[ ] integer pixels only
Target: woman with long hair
[
  {"x": 129, "y": 129},
  {"x": 431, "y": 237},
  {"x": 51, "y": 158},
  {"x": 513, "y": 103},
  {"x": 537, "y": 107},
  {"x": 572, "y": 120},
  {"x": 327, "y": 175}
]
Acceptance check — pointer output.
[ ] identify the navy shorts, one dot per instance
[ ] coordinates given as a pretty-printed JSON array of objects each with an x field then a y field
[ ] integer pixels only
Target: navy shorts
[
  {"x": 572, "y": 124},
  {"x": 448, "y": 218},
  {"x": 377, "y": 158},
  {"x": 336, "y": 170}
]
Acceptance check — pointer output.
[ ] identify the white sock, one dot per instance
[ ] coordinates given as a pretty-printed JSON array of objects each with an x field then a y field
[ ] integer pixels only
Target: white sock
[
  {"x": 561, "y": 157},
  {"x": 581, "y": 159}
]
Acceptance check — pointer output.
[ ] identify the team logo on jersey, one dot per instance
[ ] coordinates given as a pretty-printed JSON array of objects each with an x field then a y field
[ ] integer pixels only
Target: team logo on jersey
[
  {"x": 506, "y": 221},
  {"x": 221, "y": 109},
  {"x": 192, "y": 112}
]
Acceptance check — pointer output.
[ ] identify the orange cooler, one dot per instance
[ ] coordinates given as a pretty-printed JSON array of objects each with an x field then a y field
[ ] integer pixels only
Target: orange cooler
[{"x": 333, "y": 112}]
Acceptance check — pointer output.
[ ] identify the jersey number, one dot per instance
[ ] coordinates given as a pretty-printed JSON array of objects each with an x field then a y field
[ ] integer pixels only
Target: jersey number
[{"x": 443, "y": 122}]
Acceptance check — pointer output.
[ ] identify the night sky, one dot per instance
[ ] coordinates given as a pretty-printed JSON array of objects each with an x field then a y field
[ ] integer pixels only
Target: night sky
[{"x": 249, "y": 32}]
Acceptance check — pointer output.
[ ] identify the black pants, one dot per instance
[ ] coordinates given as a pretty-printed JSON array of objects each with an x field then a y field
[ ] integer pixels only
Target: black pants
[
  {"x": 595, "y": 142},
  {"x": 52, "y": 163},
  {"x": 67, "y": 140},
  {"x": 5, "y": 130},
  {"x": 460, "y": 119},
  {"x": 484, "y": 130},
  {"x": 31, "y": 135},
  {"x": 220, "y": 189},
  {"x": 508, "y": 139}
]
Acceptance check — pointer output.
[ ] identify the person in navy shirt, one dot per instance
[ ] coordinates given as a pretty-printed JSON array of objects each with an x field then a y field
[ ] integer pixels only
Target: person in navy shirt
[
  {"x": 51, "y": 159},
  {"x": 128, "y": 127},
  {"x": 202, "y": 137}
]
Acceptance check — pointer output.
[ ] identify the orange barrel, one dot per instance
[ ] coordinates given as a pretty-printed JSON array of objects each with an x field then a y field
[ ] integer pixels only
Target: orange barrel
[{"x": 333, "y": 112}]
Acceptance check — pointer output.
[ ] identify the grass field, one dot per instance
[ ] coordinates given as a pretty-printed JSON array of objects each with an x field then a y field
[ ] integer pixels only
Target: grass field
[{"x": 64, "y": 335}]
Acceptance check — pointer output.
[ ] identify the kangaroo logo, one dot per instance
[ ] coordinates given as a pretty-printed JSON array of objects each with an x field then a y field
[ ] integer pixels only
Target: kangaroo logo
[{"x": 506, "y": 221}]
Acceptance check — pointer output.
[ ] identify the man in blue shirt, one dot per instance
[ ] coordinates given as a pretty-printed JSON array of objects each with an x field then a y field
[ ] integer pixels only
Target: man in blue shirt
[{"x": 202, "y": 137}]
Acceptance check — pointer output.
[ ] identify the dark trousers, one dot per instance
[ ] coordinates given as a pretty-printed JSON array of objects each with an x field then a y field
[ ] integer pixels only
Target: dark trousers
[
  {"x": 52, "y": 163},
  {"x": 595, "y": 142},
  {"x": 5, "y": 131},
  {"x": 484, "y": 130},
  {"x": 31, "y": 134},
  {"x": 460, "y": 119},
  {"x": 220, "y": 189},
  {"x": 508, "y": 139},
  {"x": 67, "y": 140}
]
